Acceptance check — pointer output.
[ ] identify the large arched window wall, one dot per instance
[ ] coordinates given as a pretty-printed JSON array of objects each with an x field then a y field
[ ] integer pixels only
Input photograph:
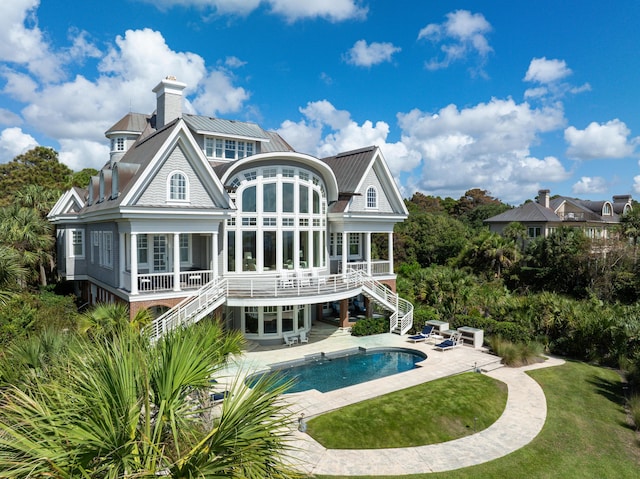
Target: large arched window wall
[{"x": 280, "y": 223}]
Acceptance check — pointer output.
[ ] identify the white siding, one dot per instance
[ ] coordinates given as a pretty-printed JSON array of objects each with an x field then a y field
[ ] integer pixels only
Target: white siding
[{"x": 156, "y": 192}]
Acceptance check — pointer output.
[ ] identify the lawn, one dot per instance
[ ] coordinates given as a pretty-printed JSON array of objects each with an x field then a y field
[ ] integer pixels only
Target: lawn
[
  {"x": 415, "y": 416},
  {"x": 587, "y": 433}
]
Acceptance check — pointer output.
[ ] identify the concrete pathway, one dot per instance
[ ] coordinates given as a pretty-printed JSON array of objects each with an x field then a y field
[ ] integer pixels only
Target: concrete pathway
[{"x": 520, "y": 423}]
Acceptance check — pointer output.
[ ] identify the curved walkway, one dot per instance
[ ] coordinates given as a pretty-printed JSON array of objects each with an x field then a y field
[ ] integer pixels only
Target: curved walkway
[{"x": 521, "y": 421}]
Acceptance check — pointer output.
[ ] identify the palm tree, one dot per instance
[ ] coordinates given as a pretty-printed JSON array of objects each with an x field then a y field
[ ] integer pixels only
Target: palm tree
[
  {"x": 516, "y": 231},
  {"x": 12, "y": 272},
  {"x": 27, "y": 232},
  {"x": 128, "y": 408},
  {"x": 630, "y": 227}
]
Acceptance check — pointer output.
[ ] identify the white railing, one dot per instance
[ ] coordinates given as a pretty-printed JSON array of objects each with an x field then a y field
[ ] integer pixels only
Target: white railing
[
  {"x": 190, "y": 310},
  {"x": 290, "y": 285},
  {"x": 402, "y": 317},
  {"x": 152, "y": 282},
  {"x": 378, "y": 267}
]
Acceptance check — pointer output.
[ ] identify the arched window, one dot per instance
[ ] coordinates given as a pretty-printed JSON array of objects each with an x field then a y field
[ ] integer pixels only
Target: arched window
[
  {"x": 372, "y": 197},
  {"x": 606, "y": 209},
  {"x": 178, "y": 187}
]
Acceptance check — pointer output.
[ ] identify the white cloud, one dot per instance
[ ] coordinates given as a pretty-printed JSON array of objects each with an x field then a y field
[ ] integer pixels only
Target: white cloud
[
  {"x": 78, "y": 154},
  {"x": 14, "y": 142},
  {"x": 9, "y": 118},
  {"x": 636, "y": 184},
  {"x": 588, "y": 185},
  {"x": 127, "y": 72},
  {"x": 326, "y": 131},
  {"x": 291, "y": 10},
  {"x": 23, "y": 43},
  {"x": 364, "y": 55},
  {"x": 463, "y": 34},
  {"x": 608, "y": 140},
  {"x": 487, "y": 145},
  {"x": 544, "y": 71},
  {"x": 549, "y": 75}
]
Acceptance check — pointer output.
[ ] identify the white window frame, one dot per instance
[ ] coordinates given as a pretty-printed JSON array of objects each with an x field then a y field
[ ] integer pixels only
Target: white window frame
[
  {"x": 107, "y": 249},
  {"x": 185, "y": 246},
  {"x": 73, "y": 234},
  {"x": 372, "y": 198},
  {"x": 171, "y": 191}
]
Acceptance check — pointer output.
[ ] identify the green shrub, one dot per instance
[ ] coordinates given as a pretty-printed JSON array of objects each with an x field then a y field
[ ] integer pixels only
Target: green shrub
[
  {"x": 515, "y": 354},
  {"x": 634, "y": 410},
  {"x": 369, "y": 326}
]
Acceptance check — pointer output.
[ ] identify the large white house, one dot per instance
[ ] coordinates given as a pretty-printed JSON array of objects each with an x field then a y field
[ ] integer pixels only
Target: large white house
[{"x": 195, "y": 215}]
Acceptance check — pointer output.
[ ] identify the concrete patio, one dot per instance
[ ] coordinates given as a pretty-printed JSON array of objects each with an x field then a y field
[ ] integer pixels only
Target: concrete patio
[{"x": 521, "y": 421}]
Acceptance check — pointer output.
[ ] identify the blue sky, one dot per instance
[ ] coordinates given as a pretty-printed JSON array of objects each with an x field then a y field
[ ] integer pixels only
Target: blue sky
[{"x": 503, "y": 95}]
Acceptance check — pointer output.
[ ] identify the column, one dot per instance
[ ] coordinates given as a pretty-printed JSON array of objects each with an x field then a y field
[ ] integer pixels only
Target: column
[
  {"x": 214, "y": 254},
  {"x": 133, "y": 248},
  {"x": 345, "y": 252},
  {"x": 176, "y": 261},
  {"x": 367, "y": 251},
  {"x": 390, "y": 251},
  {"x": 122, "y": 257}
]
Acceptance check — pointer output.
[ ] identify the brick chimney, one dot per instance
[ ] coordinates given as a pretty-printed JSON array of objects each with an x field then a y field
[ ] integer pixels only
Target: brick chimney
[
  {"x": 543, "y": 198},
  {"x": 169, "y": 101}
]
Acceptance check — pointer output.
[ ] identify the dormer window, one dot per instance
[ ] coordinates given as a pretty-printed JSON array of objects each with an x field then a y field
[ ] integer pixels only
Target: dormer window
[
  {"x": 228, "y": 149},
  {"x": 178, "y": 187},
  {"x": 606, "y": 209}
]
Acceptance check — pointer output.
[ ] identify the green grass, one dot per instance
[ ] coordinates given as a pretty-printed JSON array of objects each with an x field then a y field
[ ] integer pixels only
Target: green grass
[
  {"x": 587, "y": 433},
  {"x": 429, "y": 413}
]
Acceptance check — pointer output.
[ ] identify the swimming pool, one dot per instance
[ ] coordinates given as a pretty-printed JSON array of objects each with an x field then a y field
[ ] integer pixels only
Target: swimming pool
[{"x": 329, "y": 371}]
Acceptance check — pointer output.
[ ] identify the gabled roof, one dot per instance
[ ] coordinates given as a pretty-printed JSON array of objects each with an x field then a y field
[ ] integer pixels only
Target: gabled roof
[
  {"x": 70, "y": 203},
  {"x": 530, "y": 212},
  {"x": 350, "y": 167}
]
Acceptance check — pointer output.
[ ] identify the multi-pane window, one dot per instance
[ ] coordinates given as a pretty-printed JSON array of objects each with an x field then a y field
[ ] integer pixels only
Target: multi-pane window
[
  {"x": 372, "y": 197},
  {"x": 184, "y": 248},
  {"x": 143, "y": 249},
  {"x": 354, "y": 244},
  {"x": 77, "y": 243},
  {"x": 178, "y": 187},
  {"x": 118, "y": 144},
  {"x": 107, "y": 249},
  {"x": 227, "y": 149},
  {"x": 534, "y": 231}
]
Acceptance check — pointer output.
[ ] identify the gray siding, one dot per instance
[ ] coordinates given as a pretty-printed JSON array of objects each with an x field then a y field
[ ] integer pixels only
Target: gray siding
[
  {"x": 94, "y": 254},
  {"x": 156, "y": 192},
  {"x": 359, "y": 202}
]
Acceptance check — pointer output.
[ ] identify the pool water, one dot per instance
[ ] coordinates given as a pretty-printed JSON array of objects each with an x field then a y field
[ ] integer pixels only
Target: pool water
[{"x": 327, "y": 372}]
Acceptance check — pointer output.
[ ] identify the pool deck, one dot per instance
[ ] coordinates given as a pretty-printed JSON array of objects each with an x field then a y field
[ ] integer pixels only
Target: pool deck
[{"x": 522, "y": 420}]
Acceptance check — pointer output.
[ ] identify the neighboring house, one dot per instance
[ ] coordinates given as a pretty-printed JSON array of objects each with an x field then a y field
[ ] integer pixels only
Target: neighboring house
[
  {"x": 198, "y": 215},
  {"x": 597, "y": 219}
]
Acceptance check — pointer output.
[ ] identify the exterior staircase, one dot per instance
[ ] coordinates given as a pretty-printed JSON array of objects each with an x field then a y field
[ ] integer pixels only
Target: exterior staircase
[
  {"x": 401, "y": 319},
  {"x": 191, "y": 310},
  {"x": 214, "y": 294}
]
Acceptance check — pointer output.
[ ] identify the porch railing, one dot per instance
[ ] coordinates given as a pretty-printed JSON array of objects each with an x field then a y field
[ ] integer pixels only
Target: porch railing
[
  {"x": 378, "y": 267},
  {"x": 152, "y": 282}
]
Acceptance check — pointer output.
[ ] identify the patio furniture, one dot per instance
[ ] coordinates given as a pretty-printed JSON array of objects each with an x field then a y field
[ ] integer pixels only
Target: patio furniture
[
  {"x": 454, "y": 340},
  {"x": 422, "y": 335}
]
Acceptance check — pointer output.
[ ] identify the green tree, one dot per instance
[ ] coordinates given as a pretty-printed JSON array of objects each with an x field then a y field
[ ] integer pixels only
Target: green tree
[
  {"x": 489, "y": 254},
  {"x": 31, "y": 235},
  {"x": 630, "y": 228},
  {"x": 12, "y": 272},
  {"x": 517, "y": 232},
  {"x": 125, "y": 408},
  {"x": 39, "y": 166}
]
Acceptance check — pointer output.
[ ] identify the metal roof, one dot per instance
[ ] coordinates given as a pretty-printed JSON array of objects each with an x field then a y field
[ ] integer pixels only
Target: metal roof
[
  {"x": 131, "y": 122},
  {"x": 206, "y": 124},
  {"x": 349, "y": 167}
]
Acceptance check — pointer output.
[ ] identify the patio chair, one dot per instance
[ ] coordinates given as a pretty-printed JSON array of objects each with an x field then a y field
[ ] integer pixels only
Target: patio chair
[
  {"x": 422, "y": 335},
  {"x": 303, "y": 337},
  {"x": 454, "y": 340},
  {"x": 286, "y": 281},
  {"x": 290, "y": 339}
]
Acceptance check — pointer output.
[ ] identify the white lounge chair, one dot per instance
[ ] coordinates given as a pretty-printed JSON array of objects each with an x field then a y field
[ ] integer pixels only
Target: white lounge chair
[
  {"x": 303, "y": 337},
  {"x": 454, "y": 340},
  {"x": 289, "y": 339}
]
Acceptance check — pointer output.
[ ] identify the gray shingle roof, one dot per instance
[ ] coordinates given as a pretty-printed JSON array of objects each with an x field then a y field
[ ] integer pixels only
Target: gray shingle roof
[
  {"x": 131, "y": 122},
  {"x": 526, "y": 213}
]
